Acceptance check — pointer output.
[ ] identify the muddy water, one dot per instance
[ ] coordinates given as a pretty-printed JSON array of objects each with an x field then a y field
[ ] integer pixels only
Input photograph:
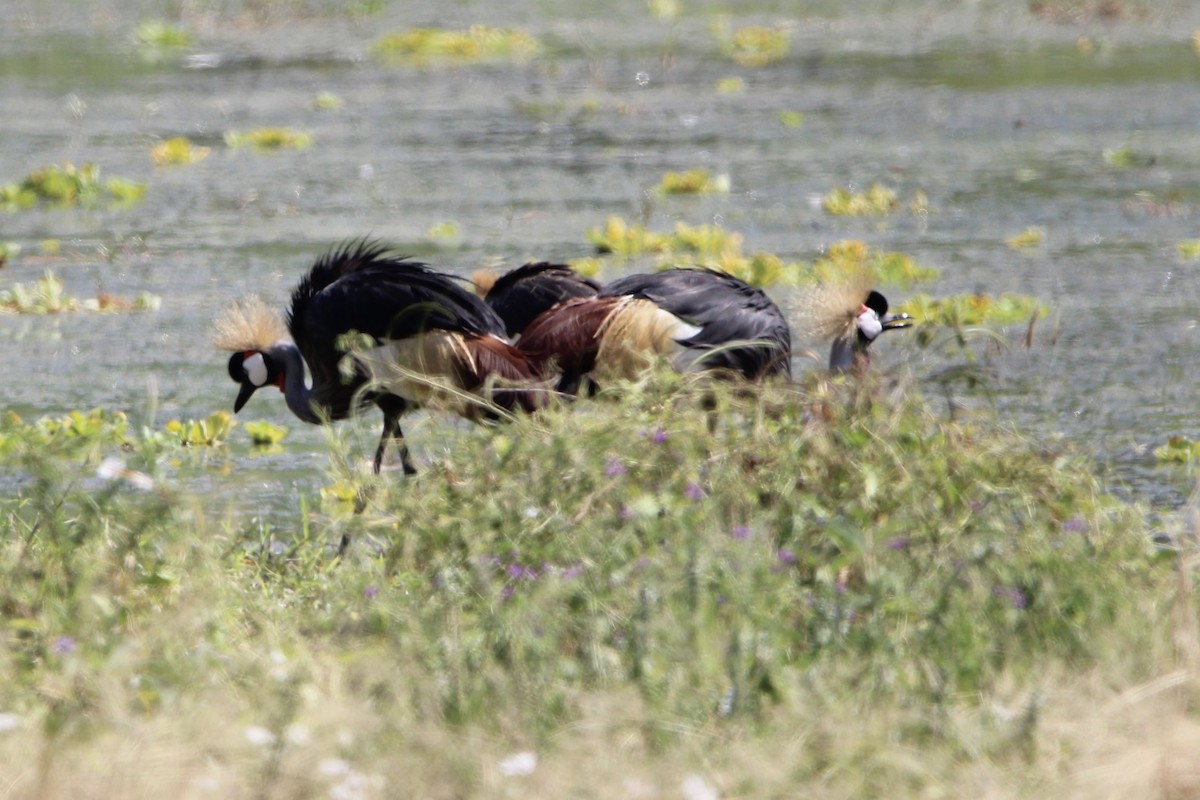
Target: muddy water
[{"x": 1002, "y": 119}]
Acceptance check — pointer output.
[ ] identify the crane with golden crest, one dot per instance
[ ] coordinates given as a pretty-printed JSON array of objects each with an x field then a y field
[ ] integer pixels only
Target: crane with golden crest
[{"x": 429, "y": 341}]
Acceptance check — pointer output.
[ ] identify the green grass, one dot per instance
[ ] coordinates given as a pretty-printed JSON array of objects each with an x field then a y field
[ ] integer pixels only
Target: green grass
[{"x": 824, "y": 590}]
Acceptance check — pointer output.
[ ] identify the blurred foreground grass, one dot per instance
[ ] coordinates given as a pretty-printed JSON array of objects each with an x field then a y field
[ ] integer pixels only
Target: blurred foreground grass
[{"x": 824, "y": 591}]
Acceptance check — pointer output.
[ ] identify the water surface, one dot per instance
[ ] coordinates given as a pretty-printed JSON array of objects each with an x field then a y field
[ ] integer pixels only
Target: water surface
[{"x": 1001, "y": 119}]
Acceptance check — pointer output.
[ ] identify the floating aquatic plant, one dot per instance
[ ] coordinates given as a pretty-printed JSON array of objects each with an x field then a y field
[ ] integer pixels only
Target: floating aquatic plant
[
  {"x": 46, "y": 296},
  {"x": 155, "y": 33},
  {"x": 694, "y": 181},
  {"x": 1030, "y": 237},
  {"x": 974, "y": 309},
  {"x": 1189, "y": 250},
  {"x": 1178, "y": 450},
  {"x": 754, "y": 46},
  {"x": 268, "y": 139},
  {"x": 588, "y": 266},
  {"x": 177, "y": 150},
  {"x": 884, "y": 266},
  {"x": 664, "y": 9},
  {"x": 327, "y": 101},
  {"x": 718, "y": 248},
  {"x": 877, "y": 200},
  {"x": 208, "y": 432},
  {"x": 444, "y": 233},
  {"x": 96, "y": 426},
  {"x": 791, "y": 119},
  {"x": 8, "y": 250},
  {"x": 1126, "y": 156},
  {"x": 477, "y": 43},
  {"x": 731, "y": 86},
  {"x": 263, "y": 433},
  {"x": 68, "y": 185},
  {"x": 620, "y": 238}
]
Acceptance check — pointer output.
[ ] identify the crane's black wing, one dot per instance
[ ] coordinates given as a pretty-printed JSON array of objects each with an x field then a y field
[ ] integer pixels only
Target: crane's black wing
[
  {"x": 523, "y": 293},
  {"x": 727, "y": 310},
  {"x": 362, "y": 287}
]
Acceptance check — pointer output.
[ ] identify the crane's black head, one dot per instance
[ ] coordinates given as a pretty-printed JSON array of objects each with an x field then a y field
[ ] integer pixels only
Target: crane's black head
[
  {"x": 850, "y": 350},
  {"x": 253, "y": 370},
  {"x": 870, "y": 325}
]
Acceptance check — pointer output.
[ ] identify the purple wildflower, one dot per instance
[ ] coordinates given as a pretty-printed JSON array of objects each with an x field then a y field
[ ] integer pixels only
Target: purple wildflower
[
  {"x": 572, "y": 572},
  {"x": 1013, "y": 595},
  {"x": 693, "y": 491},
  {"x": 518, "y": 572},
  {"x": 898, "y": 543},
  {"x": 613, "y": 467},
  {"x": 741, "y": 532},
  {"x": 63, "y": 646},
  {"x": 660, "y": 436},
  {"x": 370, "y": 592},
  {"x": 786, "y": 556},
  {"x": 1075, "y": 525}
]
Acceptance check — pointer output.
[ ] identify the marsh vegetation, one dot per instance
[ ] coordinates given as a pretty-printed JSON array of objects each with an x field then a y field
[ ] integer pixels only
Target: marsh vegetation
[{"x": 969, "y": 573}]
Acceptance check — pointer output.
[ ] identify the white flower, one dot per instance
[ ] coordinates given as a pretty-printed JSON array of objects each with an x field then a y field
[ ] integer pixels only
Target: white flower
[
  {"x": 9, "y": 722},
  {"x": 696, "y": 788},
  {"x": 258, "y": 735},
  {"x": 298, "y": 735},
  {"x": 333, "y": 766},
  {"x": 523, "y": 763}
]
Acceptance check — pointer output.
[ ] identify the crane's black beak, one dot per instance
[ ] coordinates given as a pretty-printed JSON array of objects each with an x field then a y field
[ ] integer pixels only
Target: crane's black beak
[
  {"x": 892, "y": 322},
  {"x": 243, "y": 395}
]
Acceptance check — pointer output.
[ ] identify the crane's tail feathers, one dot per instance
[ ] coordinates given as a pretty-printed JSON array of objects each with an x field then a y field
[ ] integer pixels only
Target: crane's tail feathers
[
  {"x": 249, "y": 324},
  {"x": 830, "y": 309}
]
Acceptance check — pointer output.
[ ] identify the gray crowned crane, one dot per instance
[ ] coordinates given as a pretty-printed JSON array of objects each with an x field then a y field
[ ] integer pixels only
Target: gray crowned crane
[
  {"x": 520, "y": 295},
  {"x": 851, "y": 315},
  {"x": 696, "y": 318},
  {"x": 430, "y": 341}
]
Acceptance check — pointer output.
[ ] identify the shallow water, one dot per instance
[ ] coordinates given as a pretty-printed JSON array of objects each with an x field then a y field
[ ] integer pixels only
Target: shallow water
[{"x": 1000, "y": 118}]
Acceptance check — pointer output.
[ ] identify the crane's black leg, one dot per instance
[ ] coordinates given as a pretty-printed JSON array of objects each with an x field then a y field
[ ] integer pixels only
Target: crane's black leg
[
  {"x": 392, "y": 407},
  {"x": 391, "y": 431}
]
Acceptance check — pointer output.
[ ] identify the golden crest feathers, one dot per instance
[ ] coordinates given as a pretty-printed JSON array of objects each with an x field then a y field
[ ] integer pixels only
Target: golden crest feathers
[
  {"x": 830, "y": 308},
  {"x": 248, "y": 324},
  {"x": 484, "y": 279}
]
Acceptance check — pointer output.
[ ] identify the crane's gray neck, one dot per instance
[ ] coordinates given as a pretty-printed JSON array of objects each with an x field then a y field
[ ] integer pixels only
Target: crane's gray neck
[
  {"x": 298, "y": 395},
  {"x": 844, "y": 353}
]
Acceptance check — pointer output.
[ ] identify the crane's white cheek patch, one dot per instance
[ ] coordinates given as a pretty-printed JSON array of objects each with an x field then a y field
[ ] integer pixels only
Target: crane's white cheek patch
[
  {"x": 869, "y": 324},
  {"x": 256, "y": 369}
]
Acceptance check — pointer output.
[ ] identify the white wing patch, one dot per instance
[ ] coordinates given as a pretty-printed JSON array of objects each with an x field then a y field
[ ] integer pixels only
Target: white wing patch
[{"x": 635, "y": 334}]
